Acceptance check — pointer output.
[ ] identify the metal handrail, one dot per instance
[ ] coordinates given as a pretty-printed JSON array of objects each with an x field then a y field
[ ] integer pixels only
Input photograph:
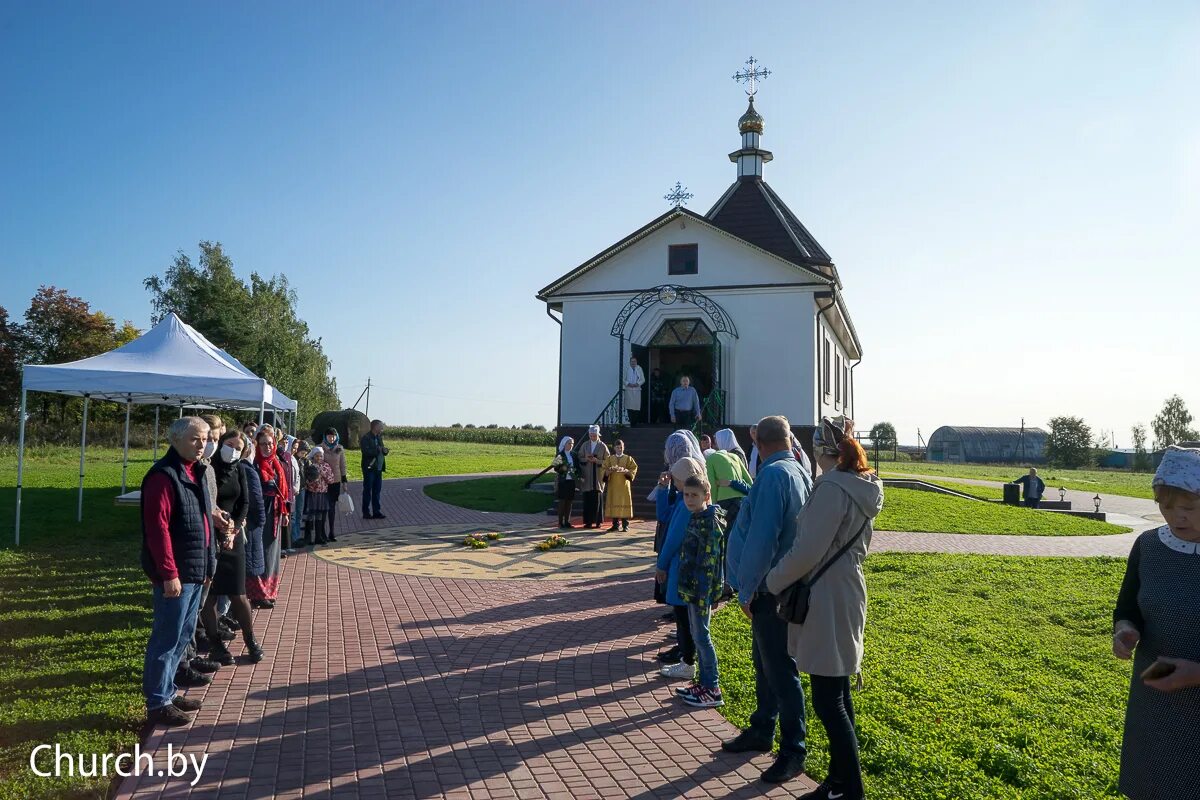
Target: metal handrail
[
  {"x": 715, "y": 400},
  {"x": 611, "y": 416}
]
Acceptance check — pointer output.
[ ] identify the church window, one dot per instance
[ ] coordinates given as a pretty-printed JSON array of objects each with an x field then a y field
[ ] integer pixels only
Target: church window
[
  {"x": 683, "y": 259},
  {"x": 837, "y": 386},
  {"x": 826, "y": 369},
  {"x": 682, "y": 333}
]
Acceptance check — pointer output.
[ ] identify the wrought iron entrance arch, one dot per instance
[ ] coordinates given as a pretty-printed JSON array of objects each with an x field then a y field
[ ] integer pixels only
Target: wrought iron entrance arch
[{"x": 666, "y": 294}]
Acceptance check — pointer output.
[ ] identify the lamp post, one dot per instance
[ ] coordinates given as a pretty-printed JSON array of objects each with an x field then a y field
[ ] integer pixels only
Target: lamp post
[
  {"x": 1096, "y": 500},
  {"x": 1062, "y": 495}
]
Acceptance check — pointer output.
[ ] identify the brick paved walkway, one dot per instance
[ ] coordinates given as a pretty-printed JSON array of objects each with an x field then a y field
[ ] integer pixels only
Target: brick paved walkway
[
  {"x": 399, "y": 686},
  {"x": 382, "y": 685}
]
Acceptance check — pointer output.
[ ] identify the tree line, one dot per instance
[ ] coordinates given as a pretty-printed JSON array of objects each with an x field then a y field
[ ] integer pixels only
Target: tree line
[
  {"x": 1071, "y": 442},
  {"x": 255, "y": 321}
]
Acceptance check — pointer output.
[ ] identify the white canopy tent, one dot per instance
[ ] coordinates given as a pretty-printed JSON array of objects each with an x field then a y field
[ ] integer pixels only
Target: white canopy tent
[{"x": 170, "y": 364}]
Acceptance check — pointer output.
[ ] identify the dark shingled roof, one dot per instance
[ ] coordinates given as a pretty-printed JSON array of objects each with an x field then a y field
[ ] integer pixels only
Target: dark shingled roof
[{"x": 751, "y": 210}]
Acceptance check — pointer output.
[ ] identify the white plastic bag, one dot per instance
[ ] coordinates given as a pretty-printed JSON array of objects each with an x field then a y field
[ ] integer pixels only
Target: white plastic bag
[{"x": 345, "y": 503}]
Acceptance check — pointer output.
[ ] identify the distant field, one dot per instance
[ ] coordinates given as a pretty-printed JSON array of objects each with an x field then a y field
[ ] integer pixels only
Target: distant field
[{"x": 1128, "y": 484}]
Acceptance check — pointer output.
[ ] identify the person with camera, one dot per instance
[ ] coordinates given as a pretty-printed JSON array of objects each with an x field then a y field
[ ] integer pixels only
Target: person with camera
[
  {"x": 1154, "y": 623},
  {"x": 374, "y": 464},
  {"x": 825, "y": 634}
]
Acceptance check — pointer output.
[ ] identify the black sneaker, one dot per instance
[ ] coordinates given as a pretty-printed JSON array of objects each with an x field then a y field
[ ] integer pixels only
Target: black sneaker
[
  {"x": 206, "y": 665},
  {"x": 786, "y": 767},
  {"x": 747, "y": 742},
  {"x": 380, "y": 516},
  {"x": 188, "y": 677},
  {"x": 168, "y": 715},
  {"x": 254, "y": 652},
  {"x": 671, "y": 656},
  {"x": 231, "y": 623},
  {"x": 220, "y": 654},
  {"x": 829, "y": 790},
  {"x": 186, "y": 703},
  {"x": 225, "y": 634}
]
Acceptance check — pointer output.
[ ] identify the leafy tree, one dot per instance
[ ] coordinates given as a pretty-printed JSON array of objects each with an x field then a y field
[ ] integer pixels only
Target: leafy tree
[
  {"x": 1173, "y": 423},
  {"x": 1069, "y": 443},
  {"x": 10, "y": 361},
  {"x": 255, "y": 322},
  {"x": 883, "y": 434},
  {"x": 59, "y": 328},
  {"x": 1141, "y": 459}
]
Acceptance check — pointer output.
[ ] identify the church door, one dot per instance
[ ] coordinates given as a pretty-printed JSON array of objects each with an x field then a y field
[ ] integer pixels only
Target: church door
[{"x": 682, "y": 347}]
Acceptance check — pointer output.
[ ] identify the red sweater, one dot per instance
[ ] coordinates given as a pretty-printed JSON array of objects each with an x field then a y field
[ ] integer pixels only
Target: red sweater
[{"x": 156, "y": 514}]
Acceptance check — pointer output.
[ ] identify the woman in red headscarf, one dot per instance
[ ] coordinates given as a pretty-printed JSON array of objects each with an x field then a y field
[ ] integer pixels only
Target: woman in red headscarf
[{"x": 263, "y": 589}]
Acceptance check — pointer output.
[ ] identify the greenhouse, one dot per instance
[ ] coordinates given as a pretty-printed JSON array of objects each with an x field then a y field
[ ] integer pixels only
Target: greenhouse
[{"x": 969, "y": 445}]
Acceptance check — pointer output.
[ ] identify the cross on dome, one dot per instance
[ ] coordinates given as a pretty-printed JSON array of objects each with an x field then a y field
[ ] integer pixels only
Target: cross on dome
[{"x": 751, "y": 75}]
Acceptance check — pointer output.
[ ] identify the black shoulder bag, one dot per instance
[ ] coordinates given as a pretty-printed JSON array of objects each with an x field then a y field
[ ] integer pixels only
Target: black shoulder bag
[{"x": 791, "y": 605}]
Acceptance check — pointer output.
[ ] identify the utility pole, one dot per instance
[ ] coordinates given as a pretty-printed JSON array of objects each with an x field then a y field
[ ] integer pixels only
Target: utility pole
[
  {"x": 367, "y": 408},
  {"x": 1022, "y": 440}
]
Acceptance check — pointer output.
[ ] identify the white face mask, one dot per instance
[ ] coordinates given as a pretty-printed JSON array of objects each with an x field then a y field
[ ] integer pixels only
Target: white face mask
[
  {"x": 229, "y": 455},
  {"x": 209, "y": 449}
]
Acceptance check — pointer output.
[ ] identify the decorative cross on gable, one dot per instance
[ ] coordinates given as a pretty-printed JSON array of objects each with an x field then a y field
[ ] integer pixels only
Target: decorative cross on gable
[
  {"x": 751, "y": 75},
  {"x": 678, "y": 196}
]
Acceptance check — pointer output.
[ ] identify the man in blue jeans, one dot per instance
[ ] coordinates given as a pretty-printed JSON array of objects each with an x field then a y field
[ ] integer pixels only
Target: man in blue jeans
[
  {"x": 374, "y": 462},
  {"x": 762, "y": 534},
  {"x": 179, "y": 556}
]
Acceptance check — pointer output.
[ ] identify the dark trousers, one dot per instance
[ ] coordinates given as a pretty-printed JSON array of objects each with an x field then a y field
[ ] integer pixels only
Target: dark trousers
[
  {"x": 1032, "y": 502},
  {"x": 333, "y": 493},
  {"x": 593, "y": 514},
  {"x": 832, "y": 704},
  {"x": 777, "y": 689},
  {"x": 635, "y": 417},
  {"x": 684, "y": 419},
  {"x": 683, "y": 634},
  {"x": 372, "y": 487}
]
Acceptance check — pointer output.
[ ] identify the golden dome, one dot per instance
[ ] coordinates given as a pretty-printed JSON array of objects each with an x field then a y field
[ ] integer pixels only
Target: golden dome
[{"x": 751, "y": 121}]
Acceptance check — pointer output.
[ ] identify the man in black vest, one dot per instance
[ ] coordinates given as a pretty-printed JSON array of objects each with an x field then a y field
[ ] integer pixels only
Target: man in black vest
[{"x": 179, "y": 556}]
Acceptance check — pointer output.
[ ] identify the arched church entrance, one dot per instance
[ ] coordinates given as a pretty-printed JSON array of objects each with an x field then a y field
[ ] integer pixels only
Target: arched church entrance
[{"x": 679, "y": 346}]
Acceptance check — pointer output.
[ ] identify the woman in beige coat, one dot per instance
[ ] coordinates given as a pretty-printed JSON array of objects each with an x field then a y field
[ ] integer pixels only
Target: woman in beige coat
[{"x": 829, "y": 645}]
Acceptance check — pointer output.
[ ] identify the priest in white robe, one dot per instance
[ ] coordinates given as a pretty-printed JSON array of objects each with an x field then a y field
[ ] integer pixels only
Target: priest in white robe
[{"x": 634, "y": 380}]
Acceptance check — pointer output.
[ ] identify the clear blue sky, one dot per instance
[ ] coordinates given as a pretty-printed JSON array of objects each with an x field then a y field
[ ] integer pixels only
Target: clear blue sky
[{"x": 1011, "y": 191}]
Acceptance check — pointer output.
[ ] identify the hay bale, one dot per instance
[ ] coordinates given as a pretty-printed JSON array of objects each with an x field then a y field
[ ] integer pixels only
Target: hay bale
[{"x": 349, "y": 423}]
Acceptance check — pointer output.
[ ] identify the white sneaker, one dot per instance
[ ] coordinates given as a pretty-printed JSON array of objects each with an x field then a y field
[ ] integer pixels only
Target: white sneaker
[{"x": 682, "y": 670}]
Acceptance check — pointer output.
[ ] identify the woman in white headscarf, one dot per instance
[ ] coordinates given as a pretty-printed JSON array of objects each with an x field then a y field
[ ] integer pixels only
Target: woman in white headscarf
[
  {"x": 566, "y": 473},
  {"x": 1155, "y": 624}
]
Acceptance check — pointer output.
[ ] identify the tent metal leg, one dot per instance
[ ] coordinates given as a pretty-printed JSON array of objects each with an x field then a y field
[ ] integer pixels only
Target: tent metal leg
[
  {"x": 156, "y": 410},
  {"x": 20, "y": 468},
  {"x": 262, "y": 413},
  {"x": 125, "y": 455},
  {"x": 82, "y": 455}
]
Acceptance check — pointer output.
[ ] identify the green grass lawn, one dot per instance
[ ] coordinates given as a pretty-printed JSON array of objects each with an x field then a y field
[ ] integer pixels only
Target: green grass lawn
[
  {"x": 985, "y": 677},
  {"x": 1129, "y": 484},
  {"x": 986, "y": 492},
  {"x": 914, "y": 510},
  {"x": 74, "y": 604},
  {"x": 505, "y": 493}
]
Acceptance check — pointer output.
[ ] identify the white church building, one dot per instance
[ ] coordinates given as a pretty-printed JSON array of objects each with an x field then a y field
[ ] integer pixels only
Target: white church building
[{"x": 742, "y": 300}]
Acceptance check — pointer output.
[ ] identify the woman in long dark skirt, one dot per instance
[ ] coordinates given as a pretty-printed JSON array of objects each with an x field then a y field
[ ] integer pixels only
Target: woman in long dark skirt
[
  {"x": 566, "y": 470},
  {"x": 233, "y": 497}
]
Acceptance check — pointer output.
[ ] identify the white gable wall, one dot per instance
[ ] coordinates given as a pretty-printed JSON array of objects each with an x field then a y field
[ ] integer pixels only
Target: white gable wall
[
  {"x": 836, "y": 383},
  {"x": 723, "y": 261},
  {"x": 769, "y": 369}
]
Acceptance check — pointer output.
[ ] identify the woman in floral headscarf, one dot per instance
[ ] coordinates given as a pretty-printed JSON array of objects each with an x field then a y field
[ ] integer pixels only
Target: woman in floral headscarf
[
  {"x": 566, "y": 473},
  {"x": 1155, "y": 624},
  {"x": 277, "y": 494}
]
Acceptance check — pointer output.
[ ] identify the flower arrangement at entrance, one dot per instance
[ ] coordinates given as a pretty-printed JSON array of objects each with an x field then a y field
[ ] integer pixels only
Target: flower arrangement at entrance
[
  {"x": 481, "y": 539},
  {"x": 553, "y": 543}
]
